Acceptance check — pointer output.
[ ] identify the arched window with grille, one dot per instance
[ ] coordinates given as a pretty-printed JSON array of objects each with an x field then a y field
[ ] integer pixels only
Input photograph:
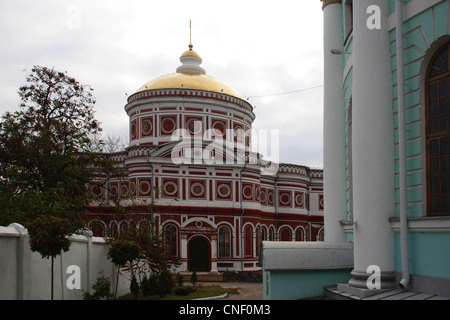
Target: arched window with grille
[
  {"x": 258, "y": 240},
  {"x": 170, "y": 237},
  {"x": 248, "y": 241},
  {"x": 299, "y": 235},
  {"x": 263, "y": 234},
  {"x": 224, "y": 242},
  {"x": 438, "y": 133},
  {"x": 285, "y": 234}
]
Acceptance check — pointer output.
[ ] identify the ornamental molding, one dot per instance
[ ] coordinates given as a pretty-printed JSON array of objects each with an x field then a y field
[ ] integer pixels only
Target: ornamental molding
[
  {"x": 423, "y": 224},
  {"x": 327, "y": 2},
  {"x": 186, "y": 93}
]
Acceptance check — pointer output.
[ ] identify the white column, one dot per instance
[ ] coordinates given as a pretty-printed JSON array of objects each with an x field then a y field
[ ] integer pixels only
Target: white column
[
  {"x": 183, "y": 255},
  {"x": 334, "y": 123},
  {"x": 214, "y": 253},
  {"x": 372, "y": 143}
]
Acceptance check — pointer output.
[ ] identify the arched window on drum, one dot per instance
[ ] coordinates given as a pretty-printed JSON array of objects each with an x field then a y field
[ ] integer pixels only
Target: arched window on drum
[
  {"x": 299, "y": 235},
  {"x": 285, "y": 234}
]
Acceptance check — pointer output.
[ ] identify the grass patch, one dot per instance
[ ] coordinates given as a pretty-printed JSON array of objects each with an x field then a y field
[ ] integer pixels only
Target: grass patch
[{"x": 199, "y": 292}]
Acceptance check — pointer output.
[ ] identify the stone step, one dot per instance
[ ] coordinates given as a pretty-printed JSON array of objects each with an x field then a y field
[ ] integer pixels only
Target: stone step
[{"x": 333, "y": 292}]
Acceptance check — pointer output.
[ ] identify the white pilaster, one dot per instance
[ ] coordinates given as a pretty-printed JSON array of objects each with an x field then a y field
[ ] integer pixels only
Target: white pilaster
[
  {"x": 334, "y": 124},
  {"x": 214, "y": 253},
  {"x": 183, "y": 255}
]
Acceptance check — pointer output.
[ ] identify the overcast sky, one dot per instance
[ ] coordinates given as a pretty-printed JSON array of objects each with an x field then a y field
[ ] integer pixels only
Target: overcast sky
[{"x": 266, "y": 50}]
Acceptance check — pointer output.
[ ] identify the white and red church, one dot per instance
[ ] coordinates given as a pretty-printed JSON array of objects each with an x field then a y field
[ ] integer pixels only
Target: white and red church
[{"x": 190, "y": 165}]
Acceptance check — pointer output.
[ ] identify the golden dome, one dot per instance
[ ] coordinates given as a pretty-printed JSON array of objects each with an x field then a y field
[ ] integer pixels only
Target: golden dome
[
  {"x": 190, "y": 76},
  {"x": 190, "y": 81},
  {"x": 190, "y": 52}
]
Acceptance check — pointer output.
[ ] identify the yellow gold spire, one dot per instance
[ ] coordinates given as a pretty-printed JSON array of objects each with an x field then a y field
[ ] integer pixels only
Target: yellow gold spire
[
  {"x": 190, "y": 34},
  {"x": 190, "y": 52}
]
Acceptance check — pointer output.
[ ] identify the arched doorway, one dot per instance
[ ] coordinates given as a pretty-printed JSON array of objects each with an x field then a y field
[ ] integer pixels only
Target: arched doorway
[{"x": 199, "y": 255}]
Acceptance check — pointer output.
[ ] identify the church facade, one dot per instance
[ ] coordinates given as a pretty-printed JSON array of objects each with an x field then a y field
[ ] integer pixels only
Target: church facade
[{"x": 190, "y": 167}]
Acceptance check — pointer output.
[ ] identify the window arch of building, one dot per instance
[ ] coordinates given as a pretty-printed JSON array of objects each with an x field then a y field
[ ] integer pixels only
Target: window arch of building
[
  {"x": 271, "y": 236},
  {"x": 299, "y": 234},
  {"x": 264, "y": 233},
  {"x": 261, "y": 235},
  {"x": 257, "y": 240},
  {"x": 132, "y": 225},
  {"x": 124, "y": 226},
  {"x": 113, "y": 229},
  {"x": 145, "y": 227},
  {"x": 171, "y": 240},
  {"x": 248, "y": 241},
  {"x": 285, "y": 234},
  {"x": 437, "y": 132},
  {"x": 224, "y": 241},
  {"x": 321, "y": 235},
  {"x": 98, "y": 228}
]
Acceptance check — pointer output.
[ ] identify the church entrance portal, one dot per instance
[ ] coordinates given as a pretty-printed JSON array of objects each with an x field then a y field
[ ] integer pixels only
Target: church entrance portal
[{"x": 199, "y": 255}]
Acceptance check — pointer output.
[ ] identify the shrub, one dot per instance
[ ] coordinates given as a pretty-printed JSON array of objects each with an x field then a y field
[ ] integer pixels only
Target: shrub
[
  {"x": 161, "y": 283},
  {"x": 194, "y": 277},
  {"x": 148, "y": 285},
  {"x": 101, "y": 287},
  {"x": 134, "y": 288},
  {"x": 180, "y": 279},
  {"x": 164, "y": 283},
  {"x": 183, "y": 291}
]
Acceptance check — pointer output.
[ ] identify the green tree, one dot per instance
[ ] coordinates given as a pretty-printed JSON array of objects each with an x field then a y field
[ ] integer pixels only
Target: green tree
[
  {"x": 45, "y": 150},
  {"x": 49, "y": 237},
  {"x": 123, "y": 252},
  {"x": 140, "y": 254}
]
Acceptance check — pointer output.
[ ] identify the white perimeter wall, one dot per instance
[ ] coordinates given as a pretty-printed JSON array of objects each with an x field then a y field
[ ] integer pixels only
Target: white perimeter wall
[{"x": 25, "y": 275}]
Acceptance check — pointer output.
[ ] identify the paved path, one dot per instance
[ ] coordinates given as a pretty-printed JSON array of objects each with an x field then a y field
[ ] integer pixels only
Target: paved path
[{"x": 241, "y": 290}]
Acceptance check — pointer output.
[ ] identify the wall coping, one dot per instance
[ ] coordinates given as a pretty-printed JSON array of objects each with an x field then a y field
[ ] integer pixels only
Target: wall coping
[{"x": 291, "y": 256}]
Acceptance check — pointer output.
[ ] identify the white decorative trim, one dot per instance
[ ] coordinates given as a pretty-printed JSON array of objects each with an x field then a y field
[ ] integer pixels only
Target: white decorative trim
[
  {"x": 287, "y": 201},
  {"x": 147, "y": 127},
  {"x": 162, "y": 123},
  {"x": 141, "y": 189},
  {"x": 201, "y": 191},
  {"x": 224, "y": 194},
  {"x": 173, "y": 184},
  {"x": 244, "y": 190},
  {"x": 423, "y": 224}
]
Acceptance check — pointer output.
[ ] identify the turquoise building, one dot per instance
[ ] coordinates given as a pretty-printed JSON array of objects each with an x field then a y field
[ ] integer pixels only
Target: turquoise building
[{"x": 386, "y": 157}]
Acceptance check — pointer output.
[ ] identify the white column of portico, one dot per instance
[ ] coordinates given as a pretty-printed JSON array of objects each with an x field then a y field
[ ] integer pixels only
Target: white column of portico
[
  {"x": 372, "y": 144},
  {"x": 213, "y": 253},
  {"x": 184, "y": 254},
  {"x": 334, "y": 123}
]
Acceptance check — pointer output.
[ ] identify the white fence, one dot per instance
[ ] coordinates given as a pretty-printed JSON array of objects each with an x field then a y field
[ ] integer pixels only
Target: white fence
[{"x": 25, "y": 275}]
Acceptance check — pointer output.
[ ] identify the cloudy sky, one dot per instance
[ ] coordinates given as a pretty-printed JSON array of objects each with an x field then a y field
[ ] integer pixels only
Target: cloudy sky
[{"x": 269, "y": 51}]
